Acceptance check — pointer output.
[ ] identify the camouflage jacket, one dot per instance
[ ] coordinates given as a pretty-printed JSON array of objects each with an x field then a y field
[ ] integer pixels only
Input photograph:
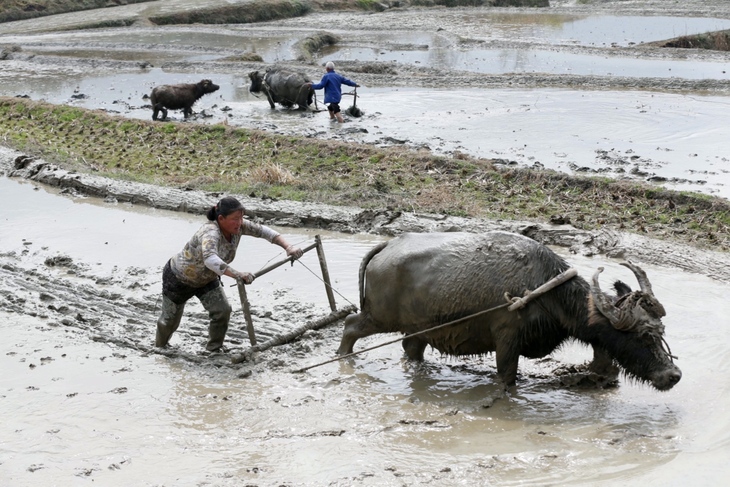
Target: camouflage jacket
[{"x": 207, "y": 255}]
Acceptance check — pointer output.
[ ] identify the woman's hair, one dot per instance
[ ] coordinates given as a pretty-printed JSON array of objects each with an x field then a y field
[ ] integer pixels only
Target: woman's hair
[{"x": 225, "y": 207}]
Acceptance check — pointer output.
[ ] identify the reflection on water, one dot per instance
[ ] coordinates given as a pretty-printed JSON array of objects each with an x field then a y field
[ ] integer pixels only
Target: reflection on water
[{"x": 525, "y": 60}]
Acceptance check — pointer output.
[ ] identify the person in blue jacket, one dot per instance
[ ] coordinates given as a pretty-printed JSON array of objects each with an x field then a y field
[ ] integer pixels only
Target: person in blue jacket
[{"x": 332, "y": 83}]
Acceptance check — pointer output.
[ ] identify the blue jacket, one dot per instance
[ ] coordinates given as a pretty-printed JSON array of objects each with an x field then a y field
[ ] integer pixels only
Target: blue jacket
[{"x": 331, "y": 82}]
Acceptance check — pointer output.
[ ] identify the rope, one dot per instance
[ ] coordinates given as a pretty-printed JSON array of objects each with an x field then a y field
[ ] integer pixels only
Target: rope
[
  {"x": 275, "y": 256},
  {"x": 330, "y": 285},
  {"x": 513, "y": 303},
  {"x": 311, "y": 271},
  {"x": 437, "y": 327}
]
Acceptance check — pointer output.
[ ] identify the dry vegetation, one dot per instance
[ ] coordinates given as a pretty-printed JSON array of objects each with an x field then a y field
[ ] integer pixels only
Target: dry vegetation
[{"x": 716, "y": 41}]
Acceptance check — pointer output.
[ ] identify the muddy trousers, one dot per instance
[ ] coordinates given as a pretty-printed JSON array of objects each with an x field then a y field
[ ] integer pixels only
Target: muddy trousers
[{"x": 219, "y": 311}]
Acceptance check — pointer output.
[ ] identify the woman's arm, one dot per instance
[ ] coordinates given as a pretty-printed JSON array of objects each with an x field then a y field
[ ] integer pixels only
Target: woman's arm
[{"x": 291, "y": 250}]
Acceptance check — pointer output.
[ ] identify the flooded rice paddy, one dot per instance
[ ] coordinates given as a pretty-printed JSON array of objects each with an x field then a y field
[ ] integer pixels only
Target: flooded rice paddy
[
  {"x": 85, "y": 400},
  {"x": 673, "y": 139},
  {"x": 88, "y": 411}
]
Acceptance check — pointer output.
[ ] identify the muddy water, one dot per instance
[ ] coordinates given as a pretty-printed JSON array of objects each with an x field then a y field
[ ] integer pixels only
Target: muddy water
[
  {"x": 76, "y": 410},
  {"x": 509, "y": 60},
  {"x": 119, "y": 236},
  {"x": 528, "y": 26},
  {"x": 160, "y": 45}
]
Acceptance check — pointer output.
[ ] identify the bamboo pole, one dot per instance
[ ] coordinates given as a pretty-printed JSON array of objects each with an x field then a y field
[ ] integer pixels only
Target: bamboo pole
[
  {"x": 325, "y": 273},
  {"x": 273, "y": 266},
  {"x": 246, "y": 311}
]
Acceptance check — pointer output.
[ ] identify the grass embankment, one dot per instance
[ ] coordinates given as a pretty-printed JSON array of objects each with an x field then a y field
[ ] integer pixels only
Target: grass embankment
[
  {"x": 716, "y": 41},
  {"x": 235, "y": 160}
]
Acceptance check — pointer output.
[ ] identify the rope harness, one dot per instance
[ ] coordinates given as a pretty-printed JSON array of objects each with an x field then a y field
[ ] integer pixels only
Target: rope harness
[{"x": 512, "y": 304}]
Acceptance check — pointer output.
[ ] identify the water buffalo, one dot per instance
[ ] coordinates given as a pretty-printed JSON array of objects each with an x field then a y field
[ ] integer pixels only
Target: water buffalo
[
  {"x": 282, "y": 86},
  {"x": 179, "y": 97},
  {"x": 417, "y": 281}
]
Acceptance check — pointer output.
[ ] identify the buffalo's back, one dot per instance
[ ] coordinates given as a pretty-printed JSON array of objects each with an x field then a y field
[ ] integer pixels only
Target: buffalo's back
[{"x": 423, "y": 279}]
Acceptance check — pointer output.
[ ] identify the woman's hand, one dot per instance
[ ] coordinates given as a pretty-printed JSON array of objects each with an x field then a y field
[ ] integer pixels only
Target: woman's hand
[
  {"x": 292, "y": 251},
  {"x": 246, "y": 277}
]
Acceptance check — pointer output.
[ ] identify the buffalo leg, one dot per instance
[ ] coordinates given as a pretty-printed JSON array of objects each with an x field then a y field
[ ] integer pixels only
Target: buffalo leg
[
  {"x": 602, "y": 365},
  {"x": 508, "y": 355},
  {"x": 187, "y": 111},
  {"x": 414, "y": 348},
  {"x": 271, "y": 100},
  {"x": 155, "y": 112},
  {"x": 356, "y": 326}
]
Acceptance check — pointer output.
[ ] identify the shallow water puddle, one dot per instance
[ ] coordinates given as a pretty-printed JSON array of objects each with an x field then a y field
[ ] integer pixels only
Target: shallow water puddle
[
  {"x": 159, "y": 45},
  {"x": 533, "y": 60},
  {"x": 75, "y": 409}
]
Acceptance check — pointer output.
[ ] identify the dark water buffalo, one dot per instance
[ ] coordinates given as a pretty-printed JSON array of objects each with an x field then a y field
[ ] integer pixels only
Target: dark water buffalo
[
  {"x": 417, "y": 281},
  {"x": 282, "y": 86},
  {"x": 179, "y": 97}
]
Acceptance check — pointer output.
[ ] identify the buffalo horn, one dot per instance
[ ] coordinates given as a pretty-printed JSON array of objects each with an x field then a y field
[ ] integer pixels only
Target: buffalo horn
[
  {"x": 644, "y": 283},
  {"x": 618, "y": 318},
  {"x": 645, "y": 286}
]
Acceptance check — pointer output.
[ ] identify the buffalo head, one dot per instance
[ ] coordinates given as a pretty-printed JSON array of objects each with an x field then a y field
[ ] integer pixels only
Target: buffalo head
[
  {"x": 207, "y": 86},
  {"x": 637, "y": 341},
  {"x": 257, "y": 81}
]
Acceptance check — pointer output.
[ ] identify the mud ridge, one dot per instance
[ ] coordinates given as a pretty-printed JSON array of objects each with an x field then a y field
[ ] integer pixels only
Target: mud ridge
[{"x": 605, "y": 241}]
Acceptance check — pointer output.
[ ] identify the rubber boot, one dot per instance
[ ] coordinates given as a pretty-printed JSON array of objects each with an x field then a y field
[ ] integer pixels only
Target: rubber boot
[
  {"x": 168, "y": 322},
  {"x": 219, "y": 310}
]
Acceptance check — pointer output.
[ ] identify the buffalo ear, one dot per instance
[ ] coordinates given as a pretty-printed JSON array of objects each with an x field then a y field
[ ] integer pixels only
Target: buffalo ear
[{"x": 621, "y": 288}]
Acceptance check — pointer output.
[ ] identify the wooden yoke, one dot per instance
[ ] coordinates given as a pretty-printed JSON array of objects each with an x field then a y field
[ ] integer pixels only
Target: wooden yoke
[{"x": 518, "y": 303}]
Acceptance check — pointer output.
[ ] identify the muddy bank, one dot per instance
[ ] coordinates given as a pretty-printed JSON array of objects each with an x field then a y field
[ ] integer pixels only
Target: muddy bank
[{"x": 605, "y": 241}]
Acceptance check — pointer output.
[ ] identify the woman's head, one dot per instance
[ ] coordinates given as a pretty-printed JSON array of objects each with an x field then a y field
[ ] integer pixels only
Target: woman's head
[
  {"x": 224, "y": 207},
  {"x": 228, "y": 212}
]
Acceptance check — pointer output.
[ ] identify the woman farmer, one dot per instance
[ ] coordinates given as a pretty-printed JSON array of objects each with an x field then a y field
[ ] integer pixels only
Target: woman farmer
[{"x": 196, "y": 270}]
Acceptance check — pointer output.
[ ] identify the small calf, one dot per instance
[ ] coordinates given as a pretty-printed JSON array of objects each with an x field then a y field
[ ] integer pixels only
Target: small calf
[{"x": 179, "y": 97}]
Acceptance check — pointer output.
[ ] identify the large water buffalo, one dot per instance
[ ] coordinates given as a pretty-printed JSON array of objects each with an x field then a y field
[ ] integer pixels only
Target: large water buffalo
[
  {"x": 282, "y": 86},
  {"x": 179, "y": 97},
  {"x": 417, "y": 281}
]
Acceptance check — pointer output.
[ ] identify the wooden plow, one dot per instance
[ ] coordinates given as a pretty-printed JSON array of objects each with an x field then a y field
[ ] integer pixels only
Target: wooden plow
[{"x": 281, "y": 339}]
